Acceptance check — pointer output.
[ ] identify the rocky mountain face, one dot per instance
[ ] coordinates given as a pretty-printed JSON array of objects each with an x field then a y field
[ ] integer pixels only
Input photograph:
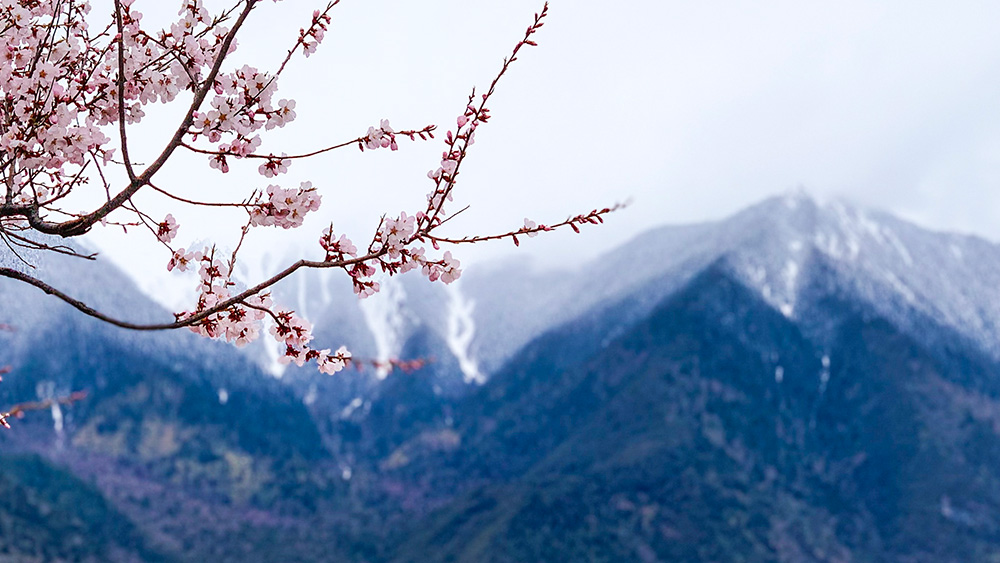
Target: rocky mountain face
[{"x": 798, "y": 382}]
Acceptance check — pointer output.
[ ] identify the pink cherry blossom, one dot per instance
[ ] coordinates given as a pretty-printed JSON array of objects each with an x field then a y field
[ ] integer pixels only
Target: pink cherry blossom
[
  {"x": 530, "y": 228},
  {"x": 182, "y": 261},
  {"x": 285, "y": 208},
  {"x": 167, "y": 230}
]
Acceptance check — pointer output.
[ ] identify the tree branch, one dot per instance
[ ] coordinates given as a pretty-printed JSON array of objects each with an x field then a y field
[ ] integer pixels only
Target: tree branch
[
  {"x": 192, "y": 319},
  {"x": 82, "y": 225}
]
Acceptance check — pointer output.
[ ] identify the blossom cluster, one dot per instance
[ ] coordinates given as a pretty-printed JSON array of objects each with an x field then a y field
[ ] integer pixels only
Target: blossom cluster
[
  {"x": 295, "y": 334},
  {"x": 240, "y": 322},
  {"x": 336, "y": 249},
  {"x": 394, "y": 234},
  {"x": 48, "y": 92},
  {"x": 274, "y": 166},
  {"x": 167, "y": 230},
  {"x": 310, "y": 38},
  {"x": 382, "y": 136},
  {"x": 447, "y": 269},
  {"x": 285, "y": 208},
  {"x": 61, "y": 84},
  {"x": 241, "y": 107}
]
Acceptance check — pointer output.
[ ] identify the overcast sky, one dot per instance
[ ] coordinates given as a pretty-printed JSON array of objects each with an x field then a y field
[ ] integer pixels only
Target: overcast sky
[{"x": 692, "y": 110}]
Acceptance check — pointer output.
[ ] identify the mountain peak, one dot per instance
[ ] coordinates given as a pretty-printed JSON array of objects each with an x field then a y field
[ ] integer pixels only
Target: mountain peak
[
  {"x": 778, "y": 248},
  {"x": 897, "y": 267}
]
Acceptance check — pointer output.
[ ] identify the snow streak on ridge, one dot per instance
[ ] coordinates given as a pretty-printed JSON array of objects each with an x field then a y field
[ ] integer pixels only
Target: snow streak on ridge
[
  {"x": 384, "y": 316},
  {"x": 461, "y": 333}
]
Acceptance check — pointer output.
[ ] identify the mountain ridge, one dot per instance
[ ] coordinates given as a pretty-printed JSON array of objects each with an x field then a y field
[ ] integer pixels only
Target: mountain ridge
[
  {"x": 797, "y": 382},
  {"x": 852, "y": 448}
]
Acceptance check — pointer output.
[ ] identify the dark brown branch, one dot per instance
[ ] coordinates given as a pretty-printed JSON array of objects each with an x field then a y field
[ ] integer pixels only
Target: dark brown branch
[
  {"x": 201, "y": 203},
  {"x": 58, "y": 248},
  {"x": 275, "y": 157},
  {"x": 192, "y": 319},
  {"x": 120, "y": 84}
]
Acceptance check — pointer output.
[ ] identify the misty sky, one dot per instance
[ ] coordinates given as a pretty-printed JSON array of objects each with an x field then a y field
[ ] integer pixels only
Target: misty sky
[{"x": 692, "y": 110}]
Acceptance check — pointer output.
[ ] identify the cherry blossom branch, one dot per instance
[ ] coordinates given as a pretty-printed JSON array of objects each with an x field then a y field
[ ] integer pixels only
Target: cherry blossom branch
[
  {"x": 19, "y": 410},
  {"x": 144, "y": 68},
  {"x": 188, "y": 320},
  {"x": 459, "y": 143},
  {"x": 319, "y": 21},
  {"x": 530, "y": 229},
  {"x": 360, "y": 142},
  {"x": 406, "y": 366},
  {"x": 199, "y": 203},
  {"x": 82, "y": 225},
  {"x": 56, "y": 248}
]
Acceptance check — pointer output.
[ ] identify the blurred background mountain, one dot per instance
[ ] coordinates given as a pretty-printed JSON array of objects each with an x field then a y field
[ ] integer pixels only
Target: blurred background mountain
[{"x": 802, "y": 381}]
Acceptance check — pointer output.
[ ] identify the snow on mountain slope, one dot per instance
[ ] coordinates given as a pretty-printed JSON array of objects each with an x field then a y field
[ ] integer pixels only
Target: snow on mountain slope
[
  {"x": 31, "y": 312},
  {"x": 375, "y": 328},
  {"x": 36, "y": 317},
  {"x": 461, "y": 332},
  {"x": 897, "y": 267},
  {"x": 387, "y": 319}
]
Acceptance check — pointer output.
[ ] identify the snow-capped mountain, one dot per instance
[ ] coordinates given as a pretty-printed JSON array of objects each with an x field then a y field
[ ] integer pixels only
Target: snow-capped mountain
[
  {"x": 893, "y": 265},
  {"x": 780, "y": 248},
  {"x": 799, "y": 382},
  {"x": 774, "y": 247},
  {"x": 381, "y": 327},
  {"x": 495, "y": 309}
]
